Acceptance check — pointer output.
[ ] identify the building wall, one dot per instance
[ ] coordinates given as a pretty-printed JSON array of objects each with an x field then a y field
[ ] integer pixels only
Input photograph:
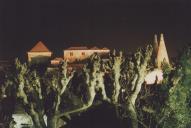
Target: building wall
[
  {"x": 78, "y": 55},
  {"x": 56, "y": 61},
  {"x": 155, "y": 76},
  {"x": 38, "y": 56}
]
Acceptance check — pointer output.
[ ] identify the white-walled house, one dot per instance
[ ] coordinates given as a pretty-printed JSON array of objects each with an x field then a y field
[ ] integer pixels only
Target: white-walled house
[
  {"x": 73, "y": 54},
  {"x": 39, "y": 53}
]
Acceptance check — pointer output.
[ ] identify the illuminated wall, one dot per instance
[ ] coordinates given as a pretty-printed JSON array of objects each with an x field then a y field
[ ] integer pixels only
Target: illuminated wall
[
  {"x": 78, "y": 55},
  {"x": 162, "y": 54},
  {"x": 155, "y": 76},
  {"x": 39, "y": 53},
  {"x": 56, "y": 61},
  {"x": 39, "y": 56}
]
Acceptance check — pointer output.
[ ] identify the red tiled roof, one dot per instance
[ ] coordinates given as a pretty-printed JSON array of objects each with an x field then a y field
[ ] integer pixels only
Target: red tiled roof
[
  {"x": 40, "y": 47},
  {"x": 86, "y": 48},
  {"x": 58, "y": 58},
  {"x": 78, "y": 48},
  {"x": 105, "y": 48},
  {"x": 94, "y": 48}
]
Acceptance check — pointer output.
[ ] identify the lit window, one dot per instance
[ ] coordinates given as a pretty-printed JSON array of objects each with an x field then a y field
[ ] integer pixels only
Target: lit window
[
  {"x": 83, "y": 53},
  {"x": 71, "y": 53}
]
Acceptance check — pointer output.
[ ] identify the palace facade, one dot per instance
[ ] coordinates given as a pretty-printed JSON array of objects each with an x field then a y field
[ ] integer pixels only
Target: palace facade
[
  {"x": 40, "y": 53},
  {"x": 74, "y": 54}
]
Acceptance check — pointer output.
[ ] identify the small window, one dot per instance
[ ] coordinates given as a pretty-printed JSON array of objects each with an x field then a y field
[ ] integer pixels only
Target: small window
[
  {"x": 71, "y": 53},
  {"x": 83, "y": 53}
]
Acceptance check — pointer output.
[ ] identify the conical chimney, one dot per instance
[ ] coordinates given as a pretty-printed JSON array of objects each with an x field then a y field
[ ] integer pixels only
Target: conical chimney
[
  {"x": 162, "y": 54},
  {"x": 155, "y": 44},
  {"x": 155, "y": 50}
]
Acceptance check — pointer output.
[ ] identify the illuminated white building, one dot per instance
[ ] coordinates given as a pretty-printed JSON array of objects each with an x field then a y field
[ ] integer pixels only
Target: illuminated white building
[
  {"x": 160, "y": 52},
  {"x": 73, "y": 54},
  {"x": 39, "y": 53}
]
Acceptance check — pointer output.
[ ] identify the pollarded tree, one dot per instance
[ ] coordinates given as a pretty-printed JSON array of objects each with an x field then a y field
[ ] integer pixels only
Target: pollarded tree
[
  {"x": 128, "y": 76},
  {"x": 29, "y": 90},
  {"x": 55, "y": 84},
  {"x": 136, "y": 70},
  {"x": 94, "y": 82},
  {"x": 94, "y": 79},
  {"x": 114, "y": 68},
  {"x": 33, "y": 93},
  {"x": 42, "y": 96}
]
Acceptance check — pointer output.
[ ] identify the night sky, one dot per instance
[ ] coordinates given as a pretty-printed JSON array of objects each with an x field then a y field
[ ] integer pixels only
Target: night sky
[{"x": 120, "y": 24}]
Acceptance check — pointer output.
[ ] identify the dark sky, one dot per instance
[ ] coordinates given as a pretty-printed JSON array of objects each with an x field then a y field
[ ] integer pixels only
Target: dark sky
[{"x": 121, "y": 24}]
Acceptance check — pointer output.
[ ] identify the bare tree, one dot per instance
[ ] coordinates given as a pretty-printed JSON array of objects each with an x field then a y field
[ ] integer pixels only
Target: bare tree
[
  {"x": 128, "y": 75},
  {"x": 29, "y": 90},
  {"x": 113, "y": 66},
  {"x": 135, "y": 75},
  {"x": 94, "y": 79},
  {"x": 42, "y": 95},
  {"x": 56, "y": 83}
]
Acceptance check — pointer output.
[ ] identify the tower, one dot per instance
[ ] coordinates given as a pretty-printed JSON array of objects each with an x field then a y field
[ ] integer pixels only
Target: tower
[
  {"x": 155, "y": 45},
  {"x": 155, "y": 50},
  {"x": 162, "y": 55}
]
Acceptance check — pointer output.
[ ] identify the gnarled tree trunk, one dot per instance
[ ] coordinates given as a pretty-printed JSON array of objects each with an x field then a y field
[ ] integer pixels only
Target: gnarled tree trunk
[
  {"x": 132, "y": 114},
  {"x": 52, "y": 121},
  {"x": 128, "y": 79},
  {"x": 38, "y": 121}
]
